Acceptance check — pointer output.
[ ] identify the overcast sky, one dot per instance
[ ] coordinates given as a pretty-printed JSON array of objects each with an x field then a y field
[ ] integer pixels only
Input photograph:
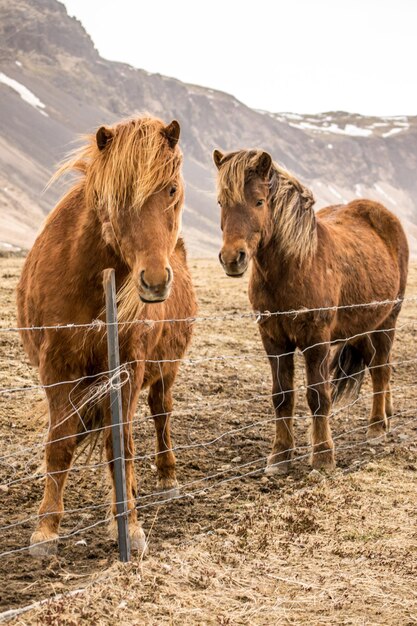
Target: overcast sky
[{"x": 302, "y": 56}]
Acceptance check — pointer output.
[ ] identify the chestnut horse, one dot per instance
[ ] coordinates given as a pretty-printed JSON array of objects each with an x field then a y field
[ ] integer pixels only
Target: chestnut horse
[
  {"x": 340, "y": 256},
  {"x": 123, "y": 212}
]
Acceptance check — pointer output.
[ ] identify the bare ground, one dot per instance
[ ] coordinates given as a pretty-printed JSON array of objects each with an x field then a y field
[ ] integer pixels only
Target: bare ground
[{"x": 238, "y": 547}]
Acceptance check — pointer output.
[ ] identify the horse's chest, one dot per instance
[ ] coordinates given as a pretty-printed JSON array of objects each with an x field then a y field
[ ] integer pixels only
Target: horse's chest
[{"x": 285, "y": 304}]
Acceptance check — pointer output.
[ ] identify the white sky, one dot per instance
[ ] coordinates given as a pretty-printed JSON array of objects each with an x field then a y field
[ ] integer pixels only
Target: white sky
[{"x": 302, "y": 56}]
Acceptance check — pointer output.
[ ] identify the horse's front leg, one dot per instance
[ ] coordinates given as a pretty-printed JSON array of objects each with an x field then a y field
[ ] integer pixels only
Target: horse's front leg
[
  {"x": 319, "y": 400},
  {"x": 281, "y": 361},
  {"x": 130, "y": 395},
  {"x": 59, "y": 452},
  {"x": 160, "y": 404}
]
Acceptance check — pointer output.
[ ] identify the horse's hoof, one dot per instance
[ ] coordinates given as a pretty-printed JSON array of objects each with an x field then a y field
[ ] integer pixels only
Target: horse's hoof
[
  {"x": 323, "y": 460},
  {"x": 278, "y": 464},
  {"x": 137, "y": 537},
  {"x": 376, "y": 432},
  {"x": 168, "y": 489},
  {"x": 138, "y": 540},
  {"x": 43, "y": 545},
  {"x": 168, "y": 494},
  {"x": 278, "y": 469}
]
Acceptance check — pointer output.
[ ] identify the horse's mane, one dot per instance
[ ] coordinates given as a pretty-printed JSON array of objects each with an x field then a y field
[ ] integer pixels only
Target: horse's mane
[
  {"x": 294, "y": 221},
  {"x": 137, "y": 162}
]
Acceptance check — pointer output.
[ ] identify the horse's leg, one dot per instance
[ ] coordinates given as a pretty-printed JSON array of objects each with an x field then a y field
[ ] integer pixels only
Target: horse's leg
[
  {"x": 59, "y": 451},
  {"x": 160, "y": 404},
  {"x": 130, "y": 395},
  {"x": 380, "y": 369},
  {"x": 319, "y": 401},
  {"x": 282, "y": 368}
]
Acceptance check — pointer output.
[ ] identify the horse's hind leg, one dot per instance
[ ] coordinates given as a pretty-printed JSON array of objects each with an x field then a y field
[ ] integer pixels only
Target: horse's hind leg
[
  {"x": 129, "y": 403},
  {"x": 59, "y": 451},
  {"x": 377, "y": 354},
  {"x": 160, "y": 404}
]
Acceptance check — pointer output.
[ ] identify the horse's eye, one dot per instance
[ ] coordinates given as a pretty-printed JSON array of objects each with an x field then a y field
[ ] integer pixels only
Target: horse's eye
[
  {"x": 172, "y": 191},
  {"x": 219, "y": 203},
  {"x": 259, "y": 203}
]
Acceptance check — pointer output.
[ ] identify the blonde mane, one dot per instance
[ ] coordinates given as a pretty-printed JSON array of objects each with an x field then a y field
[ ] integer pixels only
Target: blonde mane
[
  {"x": 294, "y": 220},
  {"x": 136, "y": 163}
]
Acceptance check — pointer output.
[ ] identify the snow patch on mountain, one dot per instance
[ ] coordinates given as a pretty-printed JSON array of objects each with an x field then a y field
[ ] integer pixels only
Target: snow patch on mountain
[
  {"x": 349, "y": 129},
  {"x": 25, "y": 93},
  {"x": 353, "y": 125},
  {"x": 393, "y": 131}
]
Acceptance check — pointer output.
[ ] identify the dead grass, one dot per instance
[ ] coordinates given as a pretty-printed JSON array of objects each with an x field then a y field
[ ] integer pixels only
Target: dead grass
[
  {"x": 340, "y": 550},
  {"x": 306, "y": 549}
]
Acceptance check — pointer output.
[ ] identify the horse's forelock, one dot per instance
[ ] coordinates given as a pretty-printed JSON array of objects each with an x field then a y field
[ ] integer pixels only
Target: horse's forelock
[
  {"x": 235, "y": 171},
  {"x": 138, "y": 162}
]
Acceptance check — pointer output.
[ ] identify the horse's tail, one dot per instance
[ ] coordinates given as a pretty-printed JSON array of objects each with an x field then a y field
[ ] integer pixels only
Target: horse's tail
[
  {"x": 92, "y": 417},
  {"x": 348, "y": 369}
]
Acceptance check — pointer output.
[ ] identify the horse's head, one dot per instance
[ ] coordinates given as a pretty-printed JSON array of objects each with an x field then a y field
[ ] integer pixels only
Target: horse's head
[
  {"x": 243, "y": 195},
  {"x": 137, "y": 185}
]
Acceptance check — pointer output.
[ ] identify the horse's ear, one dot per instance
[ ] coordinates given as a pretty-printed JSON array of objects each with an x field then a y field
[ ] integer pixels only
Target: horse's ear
[
  {"x": 103, "y": 136},
  {"x": 217, "y": 158},
  {"x": 172, "y": 133},
  {"x": 264, "y": 165}
]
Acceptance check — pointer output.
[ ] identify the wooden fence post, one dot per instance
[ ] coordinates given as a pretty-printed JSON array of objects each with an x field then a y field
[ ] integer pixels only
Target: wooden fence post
[{"x": 116, "y": 414}]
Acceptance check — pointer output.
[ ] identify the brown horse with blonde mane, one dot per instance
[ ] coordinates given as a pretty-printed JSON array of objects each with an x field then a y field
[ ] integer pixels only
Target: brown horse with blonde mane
[
  {"x": 328, "y": 261},
  {"x": 123, "y": 212}
]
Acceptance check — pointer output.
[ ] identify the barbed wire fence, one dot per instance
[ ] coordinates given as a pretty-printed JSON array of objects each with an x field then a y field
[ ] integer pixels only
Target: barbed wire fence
[{"x": 19, "y": 461}]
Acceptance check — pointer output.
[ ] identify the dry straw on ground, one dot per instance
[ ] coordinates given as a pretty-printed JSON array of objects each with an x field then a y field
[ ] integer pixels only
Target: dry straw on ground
[{"x": 302, "y": 549}]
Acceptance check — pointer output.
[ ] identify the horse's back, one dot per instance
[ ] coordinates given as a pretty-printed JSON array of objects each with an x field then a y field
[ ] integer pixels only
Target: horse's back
[
  {"x": 369, "y": 221},
  {"x": 365, "y": 249}
]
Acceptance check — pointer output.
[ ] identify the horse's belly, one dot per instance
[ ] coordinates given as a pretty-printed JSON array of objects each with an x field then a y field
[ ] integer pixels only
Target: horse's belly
[{"x": 361, "y": 320}]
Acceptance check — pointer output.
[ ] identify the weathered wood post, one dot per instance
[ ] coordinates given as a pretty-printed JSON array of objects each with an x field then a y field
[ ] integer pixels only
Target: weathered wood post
[{"x": 116, "y": 414}]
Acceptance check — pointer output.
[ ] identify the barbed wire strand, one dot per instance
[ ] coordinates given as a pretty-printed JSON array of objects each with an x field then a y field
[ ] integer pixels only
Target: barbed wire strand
[
  {"x": 226, "y": 357},
  {"x": 100, "y": 324}
]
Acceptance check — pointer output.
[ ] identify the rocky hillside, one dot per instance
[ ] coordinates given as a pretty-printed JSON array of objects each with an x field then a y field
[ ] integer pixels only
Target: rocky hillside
[{"x": 54, "y": 85}]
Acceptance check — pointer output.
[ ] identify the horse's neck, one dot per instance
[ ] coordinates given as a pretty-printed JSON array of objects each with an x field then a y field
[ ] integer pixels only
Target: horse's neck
[
  {"x": 283, "y": 275},
  {"x": 271, "y": 262}
]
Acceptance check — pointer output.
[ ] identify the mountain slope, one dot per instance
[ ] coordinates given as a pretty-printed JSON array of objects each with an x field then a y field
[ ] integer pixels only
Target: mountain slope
[{"x": 54, "y": 85}]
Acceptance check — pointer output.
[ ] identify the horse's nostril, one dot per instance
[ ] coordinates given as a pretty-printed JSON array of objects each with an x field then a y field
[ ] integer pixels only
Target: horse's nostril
[
  {"x": 142, "y": 280},
  {"x": 241, "y": 257},
  {"x": 220, "y": 258},
  {"x": 169, "y": 275}
]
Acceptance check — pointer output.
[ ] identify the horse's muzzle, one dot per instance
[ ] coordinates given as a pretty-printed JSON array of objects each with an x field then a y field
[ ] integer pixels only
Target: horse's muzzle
[
  {"x": 235, "y": 266},
  {"x": 149, "y": 293}
]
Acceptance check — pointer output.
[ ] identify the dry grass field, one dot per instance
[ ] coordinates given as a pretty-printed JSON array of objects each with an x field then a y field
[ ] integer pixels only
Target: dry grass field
[{"x": 238, "y": 547}]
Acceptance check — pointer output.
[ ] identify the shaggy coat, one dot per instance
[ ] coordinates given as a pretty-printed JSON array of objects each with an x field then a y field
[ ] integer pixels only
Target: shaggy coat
[
  {"x": 338, "y": 257},
  {"x": 124, "y": 212}
]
